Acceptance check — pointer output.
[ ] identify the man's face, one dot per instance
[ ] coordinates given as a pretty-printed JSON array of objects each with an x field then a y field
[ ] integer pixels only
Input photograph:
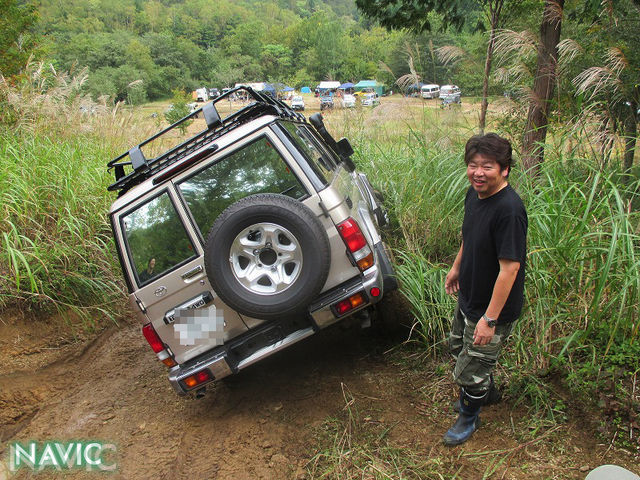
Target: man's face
[{"x": 485, "y": 175}]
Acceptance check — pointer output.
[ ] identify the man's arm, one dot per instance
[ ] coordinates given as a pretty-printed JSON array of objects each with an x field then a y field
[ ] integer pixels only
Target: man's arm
[
  {"x": 501, "y": 290},
  {"x": 451, "y": 284}
]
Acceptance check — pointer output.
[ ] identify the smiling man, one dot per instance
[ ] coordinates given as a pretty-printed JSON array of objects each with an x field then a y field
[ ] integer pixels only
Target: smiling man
[{"x": 487, "y": 275}]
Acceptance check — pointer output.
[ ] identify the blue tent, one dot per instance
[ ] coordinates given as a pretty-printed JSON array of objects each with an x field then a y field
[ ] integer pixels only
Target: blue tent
[
  {"x": 269, "y": 90},
  {"x": 288, "y": 89},
  {"x": 346, "y": 86},
  {"x": 305, "y": 90}
]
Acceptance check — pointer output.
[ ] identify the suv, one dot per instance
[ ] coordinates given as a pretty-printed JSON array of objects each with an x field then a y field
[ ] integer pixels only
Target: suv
[
  {"x": 297, "y": 103},
  {"x": 248, "y": 237},
  {"x": 450, "y": 94},
  {"x": 326, "y": 101}
]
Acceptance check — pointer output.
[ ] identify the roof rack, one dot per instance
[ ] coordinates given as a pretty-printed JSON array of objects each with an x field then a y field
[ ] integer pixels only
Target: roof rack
[{"x": 143, "y": 168}]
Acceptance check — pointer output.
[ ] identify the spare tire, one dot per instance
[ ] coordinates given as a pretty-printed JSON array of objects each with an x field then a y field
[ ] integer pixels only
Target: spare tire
[{"x": 267, "y": 256}]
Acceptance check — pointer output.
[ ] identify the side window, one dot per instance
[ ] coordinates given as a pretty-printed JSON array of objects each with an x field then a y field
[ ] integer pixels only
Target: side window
[
  {"x": 255, "y": 168},
  {"x": 321, "y": 162},
  {"x": 156, "y": 238}
]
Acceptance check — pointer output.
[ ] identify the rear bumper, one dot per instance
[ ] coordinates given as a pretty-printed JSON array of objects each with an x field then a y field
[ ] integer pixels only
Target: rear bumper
[{"x": 268, "y": 339}]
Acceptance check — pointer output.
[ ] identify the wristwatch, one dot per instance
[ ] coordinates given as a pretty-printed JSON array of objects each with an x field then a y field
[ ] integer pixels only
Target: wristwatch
[{"x": 490, "y": 321}]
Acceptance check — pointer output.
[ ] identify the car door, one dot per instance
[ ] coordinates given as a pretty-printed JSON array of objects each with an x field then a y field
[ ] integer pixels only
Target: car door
[{"x": 166, "y": 264}]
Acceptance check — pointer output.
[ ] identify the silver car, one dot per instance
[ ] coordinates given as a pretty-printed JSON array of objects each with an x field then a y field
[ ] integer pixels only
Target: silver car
[
  {"x": 248, "y": 237},
  {"x": 450, "y": 94}
]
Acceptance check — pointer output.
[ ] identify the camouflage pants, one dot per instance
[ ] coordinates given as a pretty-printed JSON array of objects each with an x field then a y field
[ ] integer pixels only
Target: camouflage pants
[{"x": 474, "y": 363}]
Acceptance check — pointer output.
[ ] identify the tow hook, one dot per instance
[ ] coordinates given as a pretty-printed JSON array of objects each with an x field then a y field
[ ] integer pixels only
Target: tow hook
[{"x": 201, "y": 392}]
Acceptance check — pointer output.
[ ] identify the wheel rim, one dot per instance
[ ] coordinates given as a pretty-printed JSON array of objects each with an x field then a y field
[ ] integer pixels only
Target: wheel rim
[{"x": 266, "y": 258}]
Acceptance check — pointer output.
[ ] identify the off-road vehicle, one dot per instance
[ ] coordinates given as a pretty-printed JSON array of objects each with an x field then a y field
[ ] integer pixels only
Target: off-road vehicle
[{"x": 251, "y": 235}]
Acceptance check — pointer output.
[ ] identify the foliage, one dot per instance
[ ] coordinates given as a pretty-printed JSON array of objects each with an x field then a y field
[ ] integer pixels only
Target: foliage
[
  {"x": 179, "y": 109},
  {"x": 582, "y": 287},
  {"x": 16, "y": 39},
  {"x": 57, "y": 253}
]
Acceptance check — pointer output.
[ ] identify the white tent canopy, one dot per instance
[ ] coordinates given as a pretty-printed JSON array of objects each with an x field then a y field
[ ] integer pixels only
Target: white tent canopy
[{"x": 328, "y": 85}]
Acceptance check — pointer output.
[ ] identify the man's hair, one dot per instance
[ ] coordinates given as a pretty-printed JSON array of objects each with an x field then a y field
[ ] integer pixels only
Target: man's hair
[{"x": 490, "y": 145}]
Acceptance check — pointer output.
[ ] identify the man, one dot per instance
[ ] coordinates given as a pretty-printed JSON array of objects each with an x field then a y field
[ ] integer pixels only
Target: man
[
  {"x": 487, "y": 274},
  {"x": 148, "y": 273}
]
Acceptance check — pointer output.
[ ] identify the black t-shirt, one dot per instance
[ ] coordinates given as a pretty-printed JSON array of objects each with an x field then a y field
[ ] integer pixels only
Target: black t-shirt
[{"x": 493, "y": 228}]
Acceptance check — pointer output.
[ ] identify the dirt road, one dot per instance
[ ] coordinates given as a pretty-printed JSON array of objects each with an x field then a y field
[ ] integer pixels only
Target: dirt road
[{"x": 270, "y": 421}]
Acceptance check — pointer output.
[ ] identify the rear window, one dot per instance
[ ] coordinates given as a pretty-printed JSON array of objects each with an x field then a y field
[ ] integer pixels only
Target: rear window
[
  {"x": 320, "y": 160},
  {"x": 156, "y": 239},
  {"x": 255, "y": 168}
]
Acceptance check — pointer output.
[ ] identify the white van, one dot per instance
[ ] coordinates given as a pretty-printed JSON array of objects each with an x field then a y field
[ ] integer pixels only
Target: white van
[{"x": 430, "y": 91}]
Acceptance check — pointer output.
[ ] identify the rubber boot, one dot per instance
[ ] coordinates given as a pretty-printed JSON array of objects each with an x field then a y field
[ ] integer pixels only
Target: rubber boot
[
  {"x": 493, "y": 396},
  {"x": 468, "y": 421}
]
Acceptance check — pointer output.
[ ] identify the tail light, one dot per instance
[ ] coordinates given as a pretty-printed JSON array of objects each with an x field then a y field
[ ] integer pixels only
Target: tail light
[
  {"x": 158, "y": 346},
  {"x": 153, "y": 338},
  {"x": 356, "y": 243},
  {"x": 197, "y": 378},
  {"x": 348, "y": 304}
]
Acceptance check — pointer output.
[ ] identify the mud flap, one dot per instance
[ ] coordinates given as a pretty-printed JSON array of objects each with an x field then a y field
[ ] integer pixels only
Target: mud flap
[{"x": 389, "y": 280}]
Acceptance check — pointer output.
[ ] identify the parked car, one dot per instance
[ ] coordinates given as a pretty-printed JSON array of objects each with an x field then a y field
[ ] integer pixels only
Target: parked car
[
  {"x": 450, "y": 94},
  {"x": 348, "y": 101},
  {"x": 201, "y": 95},
  {"x": 250, "y": 236},
  {"x": 214, "y": 93},
  {"x": 297, "y": 103},
  {"x": 370, "y": 99},
  {"x": 430, "y": 91},
  {"x": 326, "y": 101}
]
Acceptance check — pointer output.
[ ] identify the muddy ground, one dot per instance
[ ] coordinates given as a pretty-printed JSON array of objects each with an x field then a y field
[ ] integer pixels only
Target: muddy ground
[{"x": 272, "y": 420}]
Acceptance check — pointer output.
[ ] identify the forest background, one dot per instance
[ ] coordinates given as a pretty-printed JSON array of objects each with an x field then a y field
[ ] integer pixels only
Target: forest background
[{"x": 141, "y": 50}]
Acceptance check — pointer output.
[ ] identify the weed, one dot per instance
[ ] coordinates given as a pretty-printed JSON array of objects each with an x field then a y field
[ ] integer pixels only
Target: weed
[{"x": 355, "y": 446}]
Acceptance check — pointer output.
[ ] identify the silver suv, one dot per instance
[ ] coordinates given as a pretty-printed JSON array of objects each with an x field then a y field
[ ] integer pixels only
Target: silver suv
[{"x": 253, "y": 234}]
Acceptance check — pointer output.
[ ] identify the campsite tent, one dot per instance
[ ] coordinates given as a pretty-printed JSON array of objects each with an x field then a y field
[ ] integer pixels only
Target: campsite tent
[
  {"x": 328, "y": 85},
  {"x": 369, "y": 85},
  {"x": 305, "y": 90}
]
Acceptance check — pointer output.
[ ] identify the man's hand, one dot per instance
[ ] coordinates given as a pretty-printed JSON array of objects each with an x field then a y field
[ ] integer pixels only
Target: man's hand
[
  {"x": 483, "y": 333},
  {"x": 451, "y": 285}
]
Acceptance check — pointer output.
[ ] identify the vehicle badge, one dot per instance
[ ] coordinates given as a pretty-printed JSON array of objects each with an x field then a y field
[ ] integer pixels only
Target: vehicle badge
[{"x": 160, "y": 291}]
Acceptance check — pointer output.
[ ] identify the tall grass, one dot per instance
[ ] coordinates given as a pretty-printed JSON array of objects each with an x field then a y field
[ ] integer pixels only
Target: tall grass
[
  {"x": 56, "y": 243},
  {"x": 56, "y": 252},
  {"x": 582, "y": 283}
]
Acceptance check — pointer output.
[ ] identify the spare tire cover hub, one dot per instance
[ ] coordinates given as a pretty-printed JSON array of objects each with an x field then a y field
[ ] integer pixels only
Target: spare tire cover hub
[{"x": 266, "y": 258}]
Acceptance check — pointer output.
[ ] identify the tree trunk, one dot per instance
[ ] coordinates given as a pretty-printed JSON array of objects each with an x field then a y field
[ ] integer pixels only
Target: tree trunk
[
  {"x": 630, "y": 139},
  {"x": 543, "y": 85},
  {"x": 485, "y": 82},
  {"x": 495, "y": 7}
]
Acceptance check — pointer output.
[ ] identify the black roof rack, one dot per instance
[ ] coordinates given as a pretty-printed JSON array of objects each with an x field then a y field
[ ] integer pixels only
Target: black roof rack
[{"x": 142, "y": 168}]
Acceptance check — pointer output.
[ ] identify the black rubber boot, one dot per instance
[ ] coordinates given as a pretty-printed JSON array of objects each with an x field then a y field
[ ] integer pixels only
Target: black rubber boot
[
  {"x": 493, "y": 396},
  {"x": 468, "y": 421}
]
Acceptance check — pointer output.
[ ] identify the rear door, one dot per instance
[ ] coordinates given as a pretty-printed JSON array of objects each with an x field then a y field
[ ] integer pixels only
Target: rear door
[{"x": 166, "y": 264}]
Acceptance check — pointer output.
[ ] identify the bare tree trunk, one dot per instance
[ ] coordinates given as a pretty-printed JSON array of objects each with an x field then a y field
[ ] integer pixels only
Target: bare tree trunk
[
  {"x": 543, "y": 85},
  {"x": 630, "y": 139},
  {"x": 495, "y": 8},
  {"x": 485, "y": 82}
]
